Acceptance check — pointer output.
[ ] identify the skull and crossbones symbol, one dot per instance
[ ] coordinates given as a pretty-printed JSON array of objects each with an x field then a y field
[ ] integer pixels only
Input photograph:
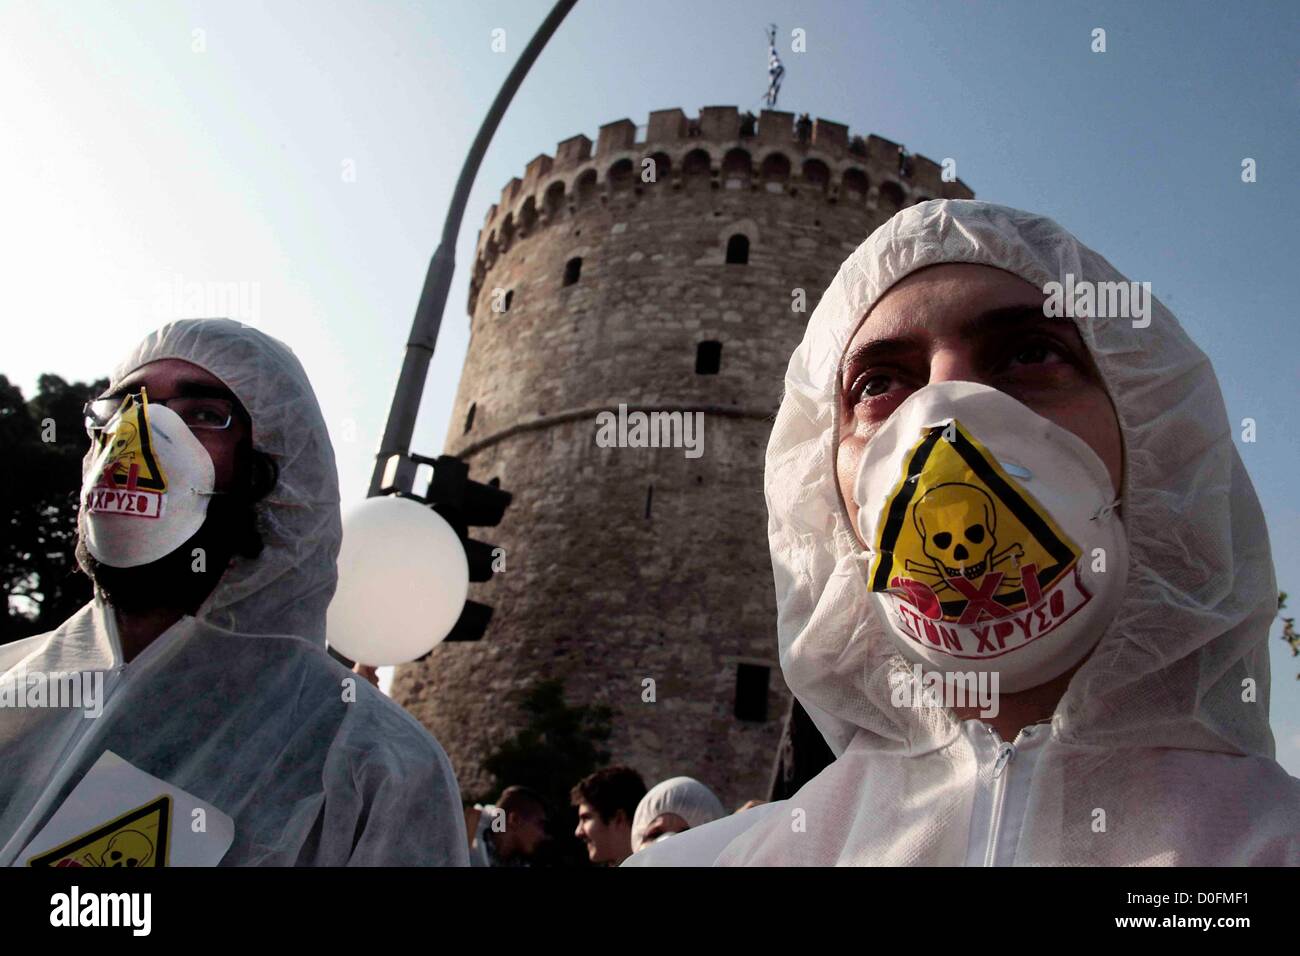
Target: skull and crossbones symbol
[
  {"x": 957, "y": 523},
  {"x": 128, "y": 848},
  {"x": 123, "y": 439}
]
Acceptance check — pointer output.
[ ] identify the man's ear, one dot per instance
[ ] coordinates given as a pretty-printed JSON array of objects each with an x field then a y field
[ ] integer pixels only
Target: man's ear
[
  {"x": 264, "y": 475},
  {"x": 620, "y": 818}
]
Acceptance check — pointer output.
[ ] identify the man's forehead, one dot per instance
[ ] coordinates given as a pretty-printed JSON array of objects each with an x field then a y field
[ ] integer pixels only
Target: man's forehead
[{"x": 946, "y": 298}]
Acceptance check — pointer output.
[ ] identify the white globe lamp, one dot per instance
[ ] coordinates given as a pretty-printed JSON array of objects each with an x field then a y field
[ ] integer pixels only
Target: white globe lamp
[{"x": 403, "y": 580}]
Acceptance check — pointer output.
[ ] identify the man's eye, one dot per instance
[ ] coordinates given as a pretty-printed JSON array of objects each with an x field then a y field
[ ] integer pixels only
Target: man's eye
[
  {"x": 871, "y": 385},
  {"x": 206, "y": 413},
  {"x": 1037, "y": 354}
]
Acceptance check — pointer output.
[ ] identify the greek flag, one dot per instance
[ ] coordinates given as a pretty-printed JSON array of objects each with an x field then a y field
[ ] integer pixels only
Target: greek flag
[{"x": 774, "y": 69}]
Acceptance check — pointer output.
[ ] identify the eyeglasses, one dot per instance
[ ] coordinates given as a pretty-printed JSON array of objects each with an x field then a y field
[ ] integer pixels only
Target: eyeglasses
[{"x": 197, "y": 413}]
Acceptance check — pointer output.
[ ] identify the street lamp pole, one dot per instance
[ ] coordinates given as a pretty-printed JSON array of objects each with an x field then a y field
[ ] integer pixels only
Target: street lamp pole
[{"x": 433, "y": 297}]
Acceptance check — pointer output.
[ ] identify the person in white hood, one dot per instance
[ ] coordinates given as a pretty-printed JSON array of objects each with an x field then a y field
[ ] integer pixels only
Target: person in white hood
[
  {"x": 995, "y": 467},
  {"x": 673, "y": 806},
  {"x": 210, "y": 525}
]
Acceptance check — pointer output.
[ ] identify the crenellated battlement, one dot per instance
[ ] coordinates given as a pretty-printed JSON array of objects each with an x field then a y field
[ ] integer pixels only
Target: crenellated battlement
[{"x": 721, "y": 148}]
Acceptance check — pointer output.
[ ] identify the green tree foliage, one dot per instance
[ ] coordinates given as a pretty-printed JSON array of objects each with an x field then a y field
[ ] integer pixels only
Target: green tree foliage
[
  {"x": 557, "y": 747},
  {"x": 44, "y": 440},
  {"x": 1288, "y": 628}
]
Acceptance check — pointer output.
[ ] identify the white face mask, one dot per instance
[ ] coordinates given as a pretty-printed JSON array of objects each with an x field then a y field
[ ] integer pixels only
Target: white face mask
[
  {"x": 146, "y": 490},
  {"x": 994, "y": 539}
]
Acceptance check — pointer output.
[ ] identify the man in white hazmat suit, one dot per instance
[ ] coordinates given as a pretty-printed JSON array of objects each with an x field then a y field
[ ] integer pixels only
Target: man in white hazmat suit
[
  {"x": 971, "y": 478},
  {"x": 210, "y": 524}
]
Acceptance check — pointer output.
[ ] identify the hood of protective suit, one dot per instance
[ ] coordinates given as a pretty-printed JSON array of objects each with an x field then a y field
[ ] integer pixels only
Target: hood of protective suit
[
  {"x": 287, "y": 588},
  {"x": 1170, "y": 709},
  {"x": 240, "y": 705},
  {"x": 688, "y": 798}
]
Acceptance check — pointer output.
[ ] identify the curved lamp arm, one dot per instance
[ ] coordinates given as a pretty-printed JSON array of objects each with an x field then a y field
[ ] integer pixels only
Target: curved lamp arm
[{"x": 437, "y": 282}]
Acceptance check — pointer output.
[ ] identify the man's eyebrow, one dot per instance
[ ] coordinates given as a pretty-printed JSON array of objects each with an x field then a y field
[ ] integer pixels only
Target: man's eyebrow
[
  {"x": 1010, "y": 315},
  {"x": 877, "y": 350},
  {"x": 187, "y": 388},
  {"x": 192, "y": 389},
  {"x": 980, "y": 324}
]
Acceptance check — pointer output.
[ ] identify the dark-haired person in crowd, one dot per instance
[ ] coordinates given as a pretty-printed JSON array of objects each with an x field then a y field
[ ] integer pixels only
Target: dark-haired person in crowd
[
  {"x": 510, "y": 832},
  {"x": 607, "y": 802}
]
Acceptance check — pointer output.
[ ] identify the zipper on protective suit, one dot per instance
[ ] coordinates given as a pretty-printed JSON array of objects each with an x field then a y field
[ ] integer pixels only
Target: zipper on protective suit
[{"x": 1027, "y": 743}]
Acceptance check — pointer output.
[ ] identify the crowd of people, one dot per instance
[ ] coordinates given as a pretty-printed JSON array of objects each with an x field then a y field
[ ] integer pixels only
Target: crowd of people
[
  {"x": 617, "y": 817},
  {"x": 957, "y": 482}
]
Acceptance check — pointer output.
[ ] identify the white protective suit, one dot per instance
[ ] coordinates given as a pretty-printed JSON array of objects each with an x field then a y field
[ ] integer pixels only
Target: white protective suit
[
  {"x": 241, "y": 705},
  {"x": 685, "y": 796},
  {"x": 1157, "y": 753}
]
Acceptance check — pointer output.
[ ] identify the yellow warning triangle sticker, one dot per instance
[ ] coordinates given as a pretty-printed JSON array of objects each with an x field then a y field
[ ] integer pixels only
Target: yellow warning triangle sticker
[
  {"x": 962, "y": 534},
  {"x": 138, "y": 838},
  {"x": 124, "y": 452}
]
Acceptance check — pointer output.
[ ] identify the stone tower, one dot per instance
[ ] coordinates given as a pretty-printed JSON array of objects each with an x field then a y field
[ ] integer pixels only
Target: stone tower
[{"x": 603, "y": 280}]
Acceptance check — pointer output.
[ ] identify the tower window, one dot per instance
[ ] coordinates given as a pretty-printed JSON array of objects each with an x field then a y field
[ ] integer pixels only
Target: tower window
[
  {"x": 649, "y": 498},
  {"x": 469, "y": 416},
  {"x": 751, "y": 691},
  {"x": 708, "y": 358},
  {"x": 738, "y": 250},
  {"x": 572, "y": 269}
]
